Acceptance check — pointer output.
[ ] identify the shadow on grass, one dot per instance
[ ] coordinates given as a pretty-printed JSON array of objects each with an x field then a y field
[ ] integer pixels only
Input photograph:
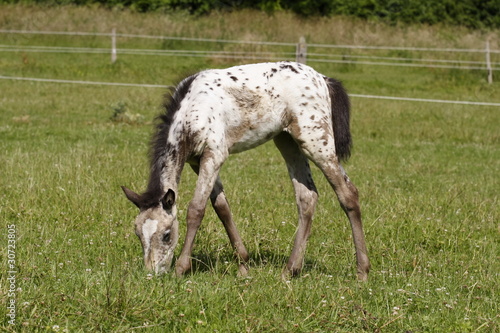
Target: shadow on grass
[{"x": 226, "y": 263}]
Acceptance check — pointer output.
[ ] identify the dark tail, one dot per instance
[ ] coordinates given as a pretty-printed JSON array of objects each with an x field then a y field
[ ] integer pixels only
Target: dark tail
[{"x": 341, "y": 118}]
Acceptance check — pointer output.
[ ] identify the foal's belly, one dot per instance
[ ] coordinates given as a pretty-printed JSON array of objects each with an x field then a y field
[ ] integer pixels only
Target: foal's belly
[{"x": 252, "y": 137}]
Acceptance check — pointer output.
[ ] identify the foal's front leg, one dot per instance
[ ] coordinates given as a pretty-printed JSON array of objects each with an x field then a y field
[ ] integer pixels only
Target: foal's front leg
[
  {"x": 221, "y": 207},
  {"x": 210, "y": 164}
]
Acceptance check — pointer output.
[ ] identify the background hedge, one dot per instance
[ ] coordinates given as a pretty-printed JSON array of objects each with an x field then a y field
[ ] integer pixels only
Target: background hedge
[{"x": 469, "y": 13}]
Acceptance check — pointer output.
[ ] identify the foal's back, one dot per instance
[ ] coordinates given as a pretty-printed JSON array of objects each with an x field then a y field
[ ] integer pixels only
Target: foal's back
[{"x": 241, "y": 107}]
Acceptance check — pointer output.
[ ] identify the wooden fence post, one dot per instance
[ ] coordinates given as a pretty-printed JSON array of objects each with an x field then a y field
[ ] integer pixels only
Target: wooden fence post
[
  {"x": 113, "y": 46},
  {"x": 488, "y": 62},
  {"x": 301, "y": 52}
]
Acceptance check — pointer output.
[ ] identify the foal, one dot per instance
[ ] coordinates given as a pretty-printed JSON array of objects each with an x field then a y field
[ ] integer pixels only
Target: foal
[{"x": 215, "y": 113}]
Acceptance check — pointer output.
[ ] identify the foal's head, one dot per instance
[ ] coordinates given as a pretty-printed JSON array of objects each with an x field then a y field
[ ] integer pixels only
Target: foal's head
[{"x": 157, "y": 228}]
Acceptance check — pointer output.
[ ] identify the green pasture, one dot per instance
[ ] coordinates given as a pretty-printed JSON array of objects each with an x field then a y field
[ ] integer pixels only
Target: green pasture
[{"x": 427, "y": 173}]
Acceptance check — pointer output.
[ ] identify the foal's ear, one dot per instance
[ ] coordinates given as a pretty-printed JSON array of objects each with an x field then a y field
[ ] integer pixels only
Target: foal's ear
[
  {"x": 168, "y": 200},
  {"x": 132, "y": 196}
]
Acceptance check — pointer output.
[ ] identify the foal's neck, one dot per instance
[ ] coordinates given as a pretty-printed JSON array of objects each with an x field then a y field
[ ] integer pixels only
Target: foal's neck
[
  {"x": 173, "y": 164},
  {"x": 166, "y": 170}
]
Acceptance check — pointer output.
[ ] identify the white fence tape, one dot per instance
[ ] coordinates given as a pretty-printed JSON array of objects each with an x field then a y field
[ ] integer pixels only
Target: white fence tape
[
  {"x": 407, "y": 99},
  {"x": 3, "y": 77},
  {"x": 364, "y": 47},
  {"x": 461, "y": 64}
]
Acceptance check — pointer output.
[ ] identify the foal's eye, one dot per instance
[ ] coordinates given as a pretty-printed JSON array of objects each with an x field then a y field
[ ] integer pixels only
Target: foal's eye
[{"x": 166, "y": 236}]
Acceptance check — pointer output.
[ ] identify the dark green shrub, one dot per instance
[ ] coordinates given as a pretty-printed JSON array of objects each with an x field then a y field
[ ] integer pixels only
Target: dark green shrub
[{"x": 469, "y": 13}]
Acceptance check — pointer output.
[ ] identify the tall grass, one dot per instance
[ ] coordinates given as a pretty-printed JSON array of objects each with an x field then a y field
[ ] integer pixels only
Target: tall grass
[
  {"x": 427, "y": 175},
  {"x": 245, "y": 24}
]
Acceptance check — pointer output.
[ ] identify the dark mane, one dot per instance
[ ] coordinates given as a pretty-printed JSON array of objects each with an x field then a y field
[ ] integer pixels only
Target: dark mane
[{"x": 159, "y": 148}]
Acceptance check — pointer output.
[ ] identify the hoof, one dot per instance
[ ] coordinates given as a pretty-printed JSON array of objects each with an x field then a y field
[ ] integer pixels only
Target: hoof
[
  {"x": 181, "y": 271},
  {"x": 363, "y": 276},
  {"x": 242, "y": 270},
  {"x": 289, "y": 273}
]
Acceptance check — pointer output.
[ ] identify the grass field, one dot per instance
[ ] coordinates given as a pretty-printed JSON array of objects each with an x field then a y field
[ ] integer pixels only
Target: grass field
[{"x": 427, "y": 175}]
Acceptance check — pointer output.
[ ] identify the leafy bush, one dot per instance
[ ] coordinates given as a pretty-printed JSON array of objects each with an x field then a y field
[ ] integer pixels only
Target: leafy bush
[
  {"x": 469, "y": 13},
  {"x": 121, "y": 114}
]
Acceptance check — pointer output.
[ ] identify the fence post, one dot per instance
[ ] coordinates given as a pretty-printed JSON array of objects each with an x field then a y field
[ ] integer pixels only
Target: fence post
[
  {"x": 301, "y": 52},
  {"x": 488, "y": 62},
  {"x": 113, "y": 46}
]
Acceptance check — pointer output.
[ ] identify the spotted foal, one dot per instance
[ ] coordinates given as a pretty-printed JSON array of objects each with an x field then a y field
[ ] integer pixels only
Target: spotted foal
[{"x": 215, "y": 113}]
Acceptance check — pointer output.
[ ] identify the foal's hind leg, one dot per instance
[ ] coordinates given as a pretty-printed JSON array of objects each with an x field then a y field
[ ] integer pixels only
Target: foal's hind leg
[
  {"x": 348, "y": 198},
  {"x": 306, "y": 196},
  {"x": 221, "y": 207}
]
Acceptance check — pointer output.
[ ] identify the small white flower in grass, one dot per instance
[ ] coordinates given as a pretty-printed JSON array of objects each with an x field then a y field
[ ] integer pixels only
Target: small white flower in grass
[
  {"x": 342, "y": 297},
  {"x": 149, "y": 276},
  {"x": 88, "y": 270},
  {"x": 56, "y": 328}
]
